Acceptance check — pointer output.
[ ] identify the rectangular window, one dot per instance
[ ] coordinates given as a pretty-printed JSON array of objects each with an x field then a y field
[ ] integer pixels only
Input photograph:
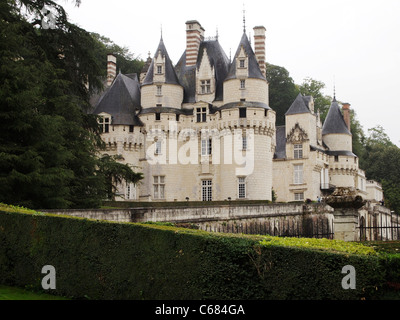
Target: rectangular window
[
  {"x": 130, "y": 191},
  {"x": 159, "y": 90},
  {"x": 299, "y": 196},
  {"x": 205, "y": 86},
  {"x": 159, "y": 69},
  {"x": 206, "y": 147},
  {"x": 298, "y": 151},
  {"x": 105, "y": 124},
  {"x": 241, "y": 63},
  {"x": 242, "y": 112},
  {"x": 242, "y": 187},
  {"x": 158, "y": 147},
  {"x": 201, "y": 114},
  {"x": 298, "y": 174},
  {"x": 206, "y": 190},
  {"x": 336, "y": 158},
  {"x": 159, "y": 187},
  {"x": 244, "y": 142},
  {"x": 158, "y": 116},
  {"x": 242, "y": 84}
]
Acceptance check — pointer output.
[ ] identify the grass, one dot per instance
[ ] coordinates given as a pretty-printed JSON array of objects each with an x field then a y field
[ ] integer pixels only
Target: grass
[{"x": 13, "y": 293}]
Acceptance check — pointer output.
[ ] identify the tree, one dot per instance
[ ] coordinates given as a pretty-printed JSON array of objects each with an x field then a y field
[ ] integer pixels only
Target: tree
[
  {"x": 48, "y": 143},
  {"x": 381, "y": 161},
  {"x": 282, "y": 91},
  {"x": 311, "y": 87}
]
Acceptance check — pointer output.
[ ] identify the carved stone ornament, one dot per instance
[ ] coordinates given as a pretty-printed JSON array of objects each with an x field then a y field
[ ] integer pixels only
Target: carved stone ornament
[{"x": 297, "y": 134}]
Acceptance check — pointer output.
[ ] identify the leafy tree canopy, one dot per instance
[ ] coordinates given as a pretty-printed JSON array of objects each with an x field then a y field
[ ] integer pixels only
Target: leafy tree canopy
[{"x": 48, "y": 144}]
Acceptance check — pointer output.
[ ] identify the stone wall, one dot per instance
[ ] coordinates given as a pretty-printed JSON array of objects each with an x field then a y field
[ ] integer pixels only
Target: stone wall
[{"x": 279, "y": 219}]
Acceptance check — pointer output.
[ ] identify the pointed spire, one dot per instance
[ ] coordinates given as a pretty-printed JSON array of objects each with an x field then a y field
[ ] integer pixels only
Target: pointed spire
[
  {"x": 334, "y": 90},
  {"x": 244, "y": 19}
]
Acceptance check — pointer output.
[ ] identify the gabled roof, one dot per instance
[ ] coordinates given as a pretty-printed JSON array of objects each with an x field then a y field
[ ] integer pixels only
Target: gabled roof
[
  {"x": 299, "y": 105},
  {"x": 170, "y": 75},
  {"x": 334, "y": 122},
  {"x": 253, "y": 67},
  {"x": 121, "y": 100},
  {"x": 187, "y": 75}
]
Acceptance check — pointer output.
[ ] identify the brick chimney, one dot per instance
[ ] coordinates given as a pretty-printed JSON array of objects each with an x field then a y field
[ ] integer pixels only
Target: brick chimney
[
  {"x": 259, "y": 47},
  {"x": 194, "y": 36},
  {"x": 346, "y": 114},
  {"x": 111, "y": 68}
]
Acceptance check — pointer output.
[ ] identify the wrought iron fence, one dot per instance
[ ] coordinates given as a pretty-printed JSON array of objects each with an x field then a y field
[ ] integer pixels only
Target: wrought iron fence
[{"x": 384, "y": 227}]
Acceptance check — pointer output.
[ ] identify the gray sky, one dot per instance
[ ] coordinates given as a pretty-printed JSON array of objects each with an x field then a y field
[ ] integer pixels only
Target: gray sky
[{"x": 352, "y": 44}]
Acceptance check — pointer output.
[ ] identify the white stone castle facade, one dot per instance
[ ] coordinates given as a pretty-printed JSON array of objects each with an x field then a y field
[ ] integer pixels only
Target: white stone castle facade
[{"x": 203, "y": 130}]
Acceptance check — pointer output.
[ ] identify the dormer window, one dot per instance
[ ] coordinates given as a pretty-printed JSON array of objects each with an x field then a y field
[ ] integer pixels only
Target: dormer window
[
  {"x": 205, "y": 86},
  {"x": 159, "y": 69},
  {"x": 201, "y": 114},
  {"x": 241, "y": 63},
  {"x": 105, "y": 124}
]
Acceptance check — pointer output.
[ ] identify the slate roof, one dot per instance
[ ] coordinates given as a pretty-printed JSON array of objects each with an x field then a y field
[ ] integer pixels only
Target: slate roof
[
  {"x": 334, "y": 122},
  {"x": 187, "y": 75},
  {"x": 280, "y": 149},
  {"x": 170, "y": 75},
  {"x": 254, "y": 68},
  {"x": 121, "y": 100},
  {"x": 299, "y": 105}
]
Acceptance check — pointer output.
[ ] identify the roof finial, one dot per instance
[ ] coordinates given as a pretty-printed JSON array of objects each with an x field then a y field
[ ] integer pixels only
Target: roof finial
[
  {"x": 244, "y": 19},
  {"x": 161, "y": 30},
  {"x": 334, "y": 89},
  {"x": 216, "y": 36}
]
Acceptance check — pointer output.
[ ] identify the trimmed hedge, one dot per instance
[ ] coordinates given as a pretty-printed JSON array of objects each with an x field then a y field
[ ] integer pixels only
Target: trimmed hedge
[{"x": 107, "y": 260}]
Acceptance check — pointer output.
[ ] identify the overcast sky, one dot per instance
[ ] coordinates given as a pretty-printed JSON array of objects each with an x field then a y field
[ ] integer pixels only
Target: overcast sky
[{"x": 352, "y": 44}]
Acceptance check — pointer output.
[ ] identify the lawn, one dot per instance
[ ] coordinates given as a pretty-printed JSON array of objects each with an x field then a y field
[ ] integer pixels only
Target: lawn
[{"x": 13, "y": 293}]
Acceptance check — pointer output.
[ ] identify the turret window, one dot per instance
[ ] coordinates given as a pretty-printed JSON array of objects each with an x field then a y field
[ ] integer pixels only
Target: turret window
[
  {"x": 159, "y": 69},
  {"x": 159, "y": 90},
  {"x": 242, "y": 84},
  {"x": 241, "y": 63}
]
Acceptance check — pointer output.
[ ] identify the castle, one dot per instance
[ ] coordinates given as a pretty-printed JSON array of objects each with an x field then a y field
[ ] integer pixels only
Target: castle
[{"x": 203, "y": 130}]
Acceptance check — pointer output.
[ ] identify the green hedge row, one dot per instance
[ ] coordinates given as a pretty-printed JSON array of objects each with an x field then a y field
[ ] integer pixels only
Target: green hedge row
[{"x": 105, "y": 260}]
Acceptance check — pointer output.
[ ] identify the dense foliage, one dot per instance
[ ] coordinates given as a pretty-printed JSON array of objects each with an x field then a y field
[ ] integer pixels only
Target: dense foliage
[
  {"x": 48, "y": 142},
  {"x": 105, "y": 260}
]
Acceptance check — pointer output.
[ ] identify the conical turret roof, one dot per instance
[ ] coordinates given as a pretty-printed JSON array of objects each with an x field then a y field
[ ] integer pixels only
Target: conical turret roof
[
  {"x": 170, "y": 75},
  {"x": 334, "y": 122}
]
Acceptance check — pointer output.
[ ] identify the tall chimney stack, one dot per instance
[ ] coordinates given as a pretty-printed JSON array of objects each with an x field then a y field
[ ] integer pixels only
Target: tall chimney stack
[
  {"x": 259, "y": 47},
  {"x": 194, "y": 36},
  {"x": 111, "y": 68},
  {"x": 346, "y": 114}
]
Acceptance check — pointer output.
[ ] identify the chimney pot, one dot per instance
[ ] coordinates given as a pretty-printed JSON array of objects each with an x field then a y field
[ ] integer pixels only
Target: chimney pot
[
  {"x": 259, "y": 47},
  {"x": 111, "y": 68},
  {"x": 194, "y": 36},
  {"x": 346, "y": 114}
]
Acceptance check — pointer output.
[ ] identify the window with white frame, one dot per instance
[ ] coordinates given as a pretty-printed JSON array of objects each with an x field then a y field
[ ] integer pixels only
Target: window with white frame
[
  {"x": 201, "y": 114},
  {"x": 242, "y": 84},
  {"x": 298, "y": 151},
  {"x": 241, "y": 63},
  {"x": 206, "y": 147},
  {"x": 159, "y": 90},
  {"x": 158, "y": 149},
  {"x": 159, "y": 69},
  {"x": 205, "y": 86},
  {"x": 105, "y": 124},
  {"x": 159, "y": 187},
  {"x": 130, "y": 191},
  {"x": 298, "y": 173},
  {"x": 244, "y": 142},
  {"x": 206, "y": 190},
  {"x": 299, "y": 196},
  {"x": 242, "y": 187}
]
